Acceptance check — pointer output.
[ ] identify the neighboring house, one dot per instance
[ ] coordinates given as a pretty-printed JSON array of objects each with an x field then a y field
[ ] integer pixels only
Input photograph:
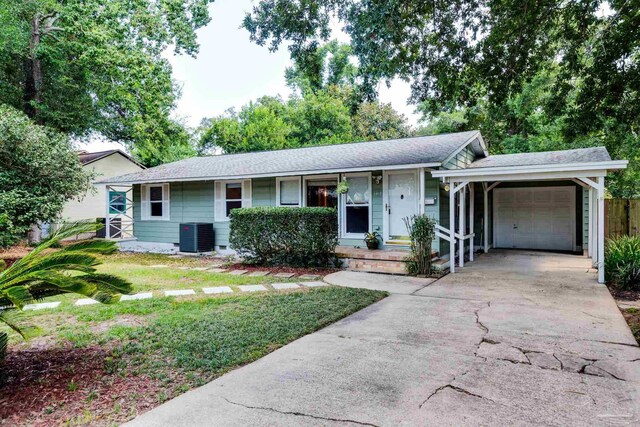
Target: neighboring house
[
  {"x": 104, "y": 164},
  {"x": 545, "y": 201}
]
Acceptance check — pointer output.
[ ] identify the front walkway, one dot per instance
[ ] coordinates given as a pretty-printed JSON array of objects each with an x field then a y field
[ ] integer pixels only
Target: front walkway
[{"x": 514, "y": 338}]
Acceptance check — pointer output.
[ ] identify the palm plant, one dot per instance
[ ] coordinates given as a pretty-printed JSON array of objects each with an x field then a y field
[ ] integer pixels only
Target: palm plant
[{"x": 43, "y": 274}]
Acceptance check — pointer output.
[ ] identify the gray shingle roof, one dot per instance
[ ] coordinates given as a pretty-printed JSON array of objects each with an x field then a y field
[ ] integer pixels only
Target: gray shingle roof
[
  {"x": 581, "y": 155},
  {"x": 405, "y": 151}
]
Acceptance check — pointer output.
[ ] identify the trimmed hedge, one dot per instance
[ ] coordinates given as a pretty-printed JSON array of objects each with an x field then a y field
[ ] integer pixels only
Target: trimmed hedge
[{"x": 299, "y": 237}]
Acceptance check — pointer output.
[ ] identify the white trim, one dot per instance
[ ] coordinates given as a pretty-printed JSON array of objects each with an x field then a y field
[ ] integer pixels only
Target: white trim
[
  {"x": 343, "y": 208},
  {"x": 421, "y": 190},
  {"x": 145, "y": 193},
  {"x": 572, "y": 208},
  {"x": 385, "y": 201},
  {"x": 599, "y": 168},
  {"x": 221, "y": 197},
  {"x": 276, "y": 174},
  {"x": 600, "y": 206},
  {"x": 297, "y": 179}
]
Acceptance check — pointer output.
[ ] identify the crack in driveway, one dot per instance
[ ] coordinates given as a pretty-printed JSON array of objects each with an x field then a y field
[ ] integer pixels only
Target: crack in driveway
[{"x": 300, "y": 414}]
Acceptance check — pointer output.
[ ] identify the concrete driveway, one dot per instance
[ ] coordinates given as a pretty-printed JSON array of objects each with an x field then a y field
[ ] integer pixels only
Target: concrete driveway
[{"x": 514, "y": 338}]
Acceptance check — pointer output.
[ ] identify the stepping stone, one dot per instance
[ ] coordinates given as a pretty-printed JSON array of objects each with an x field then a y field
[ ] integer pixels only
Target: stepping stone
[
  {"x": 252, "y": 288},
  {"x": 179, "y": 292},
  {"x": 216, "y": 265},
  {"x": 200, "y": 268},
  {"x": 258, "y": 273},
  {"x": 216, "y": 270},
  {"x": 284, "y": 275},
  {"x": 176, "y": 256},
  {"x": 218, "y": 290},
  {"x": 285, "y": 285},
  {"x": 310, "y": 277},
  {"x": 238, "y": 272},
  {"x": 313, "y": 284},
  {"x": 86, "y": 301},
  {"x": 144, "y": 295},
  {"x": 184, "y": 268},
  {"x": 159, "y": 266},
  {"x": 41, "y": 305}
]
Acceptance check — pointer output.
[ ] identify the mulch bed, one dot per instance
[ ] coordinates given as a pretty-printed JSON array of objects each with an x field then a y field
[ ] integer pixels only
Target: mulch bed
[
  {"x": 275, "y": 270},
  {"x": 632, "y": 316},
  {"x": 625, "y": 295},
  {"x": 69, "y": 385}
]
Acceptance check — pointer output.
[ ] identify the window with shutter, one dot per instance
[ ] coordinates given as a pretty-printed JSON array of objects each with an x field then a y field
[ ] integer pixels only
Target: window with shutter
[{"x": 155, "y": 202}]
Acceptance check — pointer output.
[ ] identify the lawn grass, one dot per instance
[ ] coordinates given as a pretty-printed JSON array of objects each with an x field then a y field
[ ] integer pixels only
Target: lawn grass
[{"x": 106, "y": 363}]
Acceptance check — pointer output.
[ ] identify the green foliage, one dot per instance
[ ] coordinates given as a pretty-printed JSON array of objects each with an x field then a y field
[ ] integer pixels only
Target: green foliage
[
  {"x": 318, "y": 118},
  {"x": 39, "y": 173},
  {"x": 531, "y": 76},
  {"x": 96, "y": 66},
  {"x": 422, "y": 232},
  {"x": 70, "y": 270},
  {"x": 301, "y": 237},
  {"x": 622, "y": 262}
]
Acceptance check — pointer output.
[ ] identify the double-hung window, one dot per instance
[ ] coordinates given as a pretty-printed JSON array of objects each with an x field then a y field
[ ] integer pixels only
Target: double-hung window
[
  {"x": 356, "y": 204},
  {"x": 231, "y": 195},
  {"x": 155, "y": 202},
  {"x": 288, "y": 191}
]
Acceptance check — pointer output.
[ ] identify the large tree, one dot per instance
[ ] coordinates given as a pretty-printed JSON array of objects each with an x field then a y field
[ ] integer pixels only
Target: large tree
[
  {"x": 477, "y": 61},
  {"x": 39, "y": 173},
  {"x": 93, "y": 66}
]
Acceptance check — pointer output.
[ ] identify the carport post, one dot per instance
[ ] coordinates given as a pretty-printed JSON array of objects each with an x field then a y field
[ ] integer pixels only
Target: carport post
[
  {"x": 486, "y": 217},
  {"x": 601, "y": 229},
  {"x": 452, "y": 227},
  {"x": 594, "y": 227},
  {"x": 461, "y": 214},
  {"x": 471, "y": 219}
]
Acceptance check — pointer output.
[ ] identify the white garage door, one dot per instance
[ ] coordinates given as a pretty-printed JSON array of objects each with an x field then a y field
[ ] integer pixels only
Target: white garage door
[{"x": 535, "y": 218}]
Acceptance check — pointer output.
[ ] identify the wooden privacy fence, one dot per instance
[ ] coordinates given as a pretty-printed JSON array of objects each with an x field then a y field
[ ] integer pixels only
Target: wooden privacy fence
[{"x": 622, "y": 216}]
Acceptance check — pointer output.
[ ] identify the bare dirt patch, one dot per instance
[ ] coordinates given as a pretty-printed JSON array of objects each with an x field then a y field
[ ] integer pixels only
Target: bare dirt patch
[{"x": 129, "y": 320}]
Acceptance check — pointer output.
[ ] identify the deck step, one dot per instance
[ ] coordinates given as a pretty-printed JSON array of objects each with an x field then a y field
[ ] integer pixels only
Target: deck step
[
  {"x": 440, "y": 264},
  {"x": 377, "y": 266}
]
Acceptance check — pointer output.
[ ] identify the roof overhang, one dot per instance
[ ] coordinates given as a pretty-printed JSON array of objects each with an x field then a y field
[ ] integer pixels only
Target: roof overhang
[
  {"x": 274, "y": 175},
  {"x": 531, "y": 172}
]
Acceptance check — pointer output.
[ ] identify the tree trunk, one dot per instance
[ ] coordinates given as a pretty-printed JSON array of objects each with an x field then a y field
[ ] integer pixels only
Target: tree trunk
[{"x": 33, "y": 73}]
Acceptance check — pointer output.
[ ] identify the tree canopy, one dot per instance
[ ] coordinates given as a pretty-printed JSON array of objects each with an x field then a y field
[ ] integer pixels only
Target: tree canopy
[
  {"x": 96, "y": 67},
  {"x": 39, "y": 173},
  {"x": 530, "y": 75}
]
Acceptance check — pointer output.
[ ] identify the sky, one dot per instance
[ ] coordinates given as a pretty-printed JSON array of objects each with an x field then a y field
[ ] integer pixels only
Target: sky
[{"x": 230, "y": 70}]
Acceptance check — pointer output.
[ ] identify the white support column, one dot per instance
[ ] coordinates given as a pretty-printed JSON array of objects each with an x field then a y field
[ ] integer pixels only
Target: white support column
[
  {"x": 601, "y": 229},
  {"x": 486, "y": 217},
  {"x": 589, "y": 193},
  {"x": 462, "y": 212},
  {"x": 471, "y": 219},
  {"x": 422, "y": 190},
  {"x": 452, "y": 227},
  {"x": 107, "y": 219},
  {"x": 594, "y": 227}
]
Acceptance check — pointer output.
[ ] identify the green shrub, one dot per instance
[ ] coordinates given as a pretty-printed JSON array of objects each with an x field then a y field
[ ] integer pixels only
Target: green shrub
[
  {"x": 422, "y": 231},
  {"x": 622, "y": 262},
  {"x": 300, "y": 237}
]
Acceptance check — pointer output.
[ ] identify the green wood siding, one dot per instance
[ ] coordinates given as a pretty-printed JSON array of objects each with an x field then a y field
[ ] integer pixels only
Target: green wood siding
[
  {"x": 263, "y": 192},
  {"x": 189, "y": 202}
]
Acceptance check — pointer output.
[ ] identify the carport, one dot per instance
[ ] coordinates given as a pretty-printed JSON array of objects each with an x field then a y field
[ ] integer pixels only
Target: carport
[{"x": 534, "y": 215}]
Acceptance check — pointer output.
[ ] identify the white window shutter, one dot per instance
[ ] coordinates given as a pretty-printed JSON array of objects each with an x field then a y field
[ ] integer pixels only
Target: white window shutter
[
  {"x": 219, "y": 201},
  {"x": 144, "y": 197},
  {"x": 246, "y": 193},
  {"x": 166, "y": 199}
]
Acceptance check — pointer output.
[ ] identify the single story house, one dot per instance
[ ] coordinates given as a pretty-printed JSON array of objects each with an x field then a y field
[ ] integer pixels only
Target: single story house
[
  {"x": 93, "y": 204},
  {"x": 547, "y": 201}
]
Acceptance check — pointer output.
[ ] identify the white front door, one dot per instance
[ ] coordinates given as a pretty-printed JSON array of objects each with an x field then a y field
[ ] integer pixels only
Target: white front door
[
  {"x": 401, "y": 201},
  {"x": 535, "y": 218}
]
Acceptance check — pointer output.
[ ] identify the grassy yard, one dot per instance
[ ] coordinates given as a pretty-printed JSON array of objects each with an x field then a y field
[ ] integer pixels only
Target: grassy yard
[{"x": 101, "y": 365}]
